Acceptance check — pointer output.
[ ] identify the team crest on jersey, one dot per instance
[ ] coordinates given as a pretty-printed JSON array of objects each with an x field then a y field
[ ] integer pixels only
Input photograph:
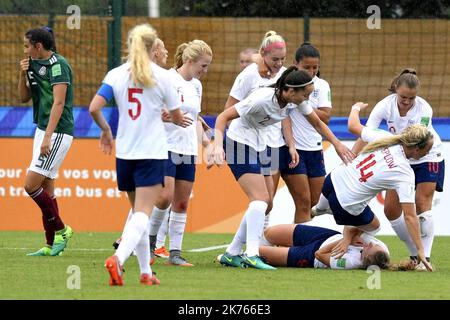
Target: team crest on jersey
[
  {"x": 43, "y": 71},
  {"x": 315, "y": 93},
  {"x": 425, "y": 121}
]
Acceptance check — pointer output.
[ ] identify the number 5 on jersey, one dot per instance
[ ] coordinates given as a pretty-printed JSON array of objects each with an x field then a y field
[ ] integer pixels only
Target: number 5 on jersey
[{"x": 134, "y": 99}]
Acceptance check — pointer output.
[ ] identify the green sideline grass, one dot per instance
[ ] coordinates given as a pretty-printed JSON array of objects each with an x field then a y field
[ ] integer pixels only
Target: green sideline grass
[{"x": 23, "y": 277}]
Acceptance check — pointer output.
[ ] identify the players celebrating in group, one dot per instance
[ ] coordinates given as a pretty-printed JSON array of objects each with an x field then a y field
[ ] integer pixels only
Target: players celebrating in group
[{"x": 276, "y": 119}]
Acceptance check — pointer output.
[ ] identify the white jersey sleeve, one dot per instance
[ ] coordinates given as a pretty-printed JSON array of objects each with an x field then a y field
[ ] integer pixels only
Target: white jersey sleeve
[
  {"x": 247, "y": 107},
  {"x": 367, "y": 238},
  {"x": 110, "y": 78},
  {"x": 350, "y": 260},
  {"x": 305, "y": 108},
  {"x": 370, "y": 134},
  {"x": 406, "y": 192},
  {"x": 377, "y": 114},
  {"x": 324, "y": 94},
  {"x": 170, "y": 94}
]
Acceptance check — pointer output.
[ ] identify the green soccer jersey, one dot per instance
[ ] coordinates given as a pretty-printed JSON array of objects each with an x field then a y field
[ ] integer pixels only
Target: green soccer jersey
[{"x": 42, "y": 75}]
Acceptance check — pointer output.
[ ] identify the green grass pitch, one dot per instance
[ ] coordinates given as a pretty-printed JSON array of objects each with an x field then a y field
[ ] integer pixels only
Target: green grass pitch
[{"x": 25, "y": 277}]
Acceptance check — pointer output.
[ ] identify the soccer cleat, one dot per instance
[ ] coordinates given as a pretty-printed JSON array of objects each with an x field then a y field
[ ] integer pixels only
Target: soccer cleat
[
  {"x": 61, "y": 239},
  {"x": 228, "y": 260},
  {"x": 115, "y": 271},
  {"x": 318, "y": 212},
  {"x": 256, "y": 262},
  {"x": 162, "y": 252},
  {"x": 150, "y": 281},
  {"x": 44, "y": 251},
  {"x": 175, "y": 259}
]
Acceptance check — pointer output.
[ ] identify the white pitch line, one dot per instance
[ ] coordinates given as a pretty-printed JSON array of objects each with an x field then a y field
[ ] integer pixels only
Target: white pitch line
[
  {"x": 208, "y": 248},
  {"x": 100, "y": 249}
]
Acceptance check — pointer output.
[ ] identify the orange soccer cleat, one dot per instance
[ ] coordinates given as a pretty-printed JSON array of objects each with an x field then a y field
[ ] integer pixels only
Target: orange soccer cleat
[
  {"x": 150, "y": 281},
  {"x": 162, "y": 252},
  {"x": 115, "y": 271}
]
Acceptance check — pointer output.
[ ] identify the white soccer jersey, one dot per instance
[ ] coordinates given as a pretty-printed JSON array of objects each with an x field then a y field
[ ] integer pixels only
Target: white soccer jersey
[
  {"x": 421, "y": 112},
  {"x": 248, "y": 81},
  {"x": 362, "y": 179},
  {"x": 184, "y": 140},
  {"x": 371, "y": 134},
  {"x": 306, "y": 137},
  {"x": 352, "y": 259},
  {"x": 141, "y": 133},
  {"x": 257, "y": 112}
]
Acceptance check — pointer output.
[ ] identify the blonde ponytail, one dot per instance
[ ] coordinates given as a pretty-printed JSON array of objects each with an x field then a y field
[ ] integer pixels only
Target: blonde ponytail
[
  {"x": 140, "y": 42},
  {"x": 414, "y": 135},
  {"x": 178, "y": 58}
]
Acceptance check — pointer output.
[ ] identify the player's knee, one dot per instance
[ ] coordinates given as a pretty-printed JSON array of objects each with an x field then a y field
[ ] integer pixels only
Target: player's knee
[
  {"x": 423, "y": 204},
  {"x": 268, "y": 234},
  {"x": 303, "y": 205},
  {"x": 164, "y": 200},
  {"x": 180, "y": 206}
]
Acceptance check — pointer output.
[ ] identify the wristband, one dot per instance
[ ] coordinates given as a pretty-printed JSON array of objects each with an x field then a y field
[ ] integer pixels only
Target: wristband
[{"x": 356, "y": 107}]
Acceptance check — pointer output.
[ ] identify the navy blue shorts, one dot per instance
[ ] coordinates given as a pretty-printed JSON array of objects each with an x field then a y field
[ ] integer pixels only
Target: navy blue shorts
[
  {"x": 270, "y": 160},
  {"x": 341, "y": 216},
  {"x": 430, "y": 172},
  {"x": 132, "y": 174},
  {"x": 306, "y": 241},
  {"x": 311, "y": 163},
  {"x": 181, "y": 167},
  {"x": 243, "y": 159}
]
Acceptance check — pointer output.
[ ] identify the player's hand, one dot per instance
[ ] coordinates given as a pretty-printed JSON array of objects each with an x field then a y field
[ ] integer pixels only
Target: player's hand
[
  {"x": 360, "y": 106},
  {"x": 218, "y": 156},
  {"x": 340, "y": 249},
  {"x": 204, "y": 124},
  {"x": 344, "y": 153},
  {"x": 421, "y": 257},
  {"x": 24, "y": 65},
  {"x": 186, "y": 121},
  {"x": 294, "y": 156},
  {"x": 45, "y": 146},
  {"x": 106, "y": 141},
  {"x": 165, "y": 115}
]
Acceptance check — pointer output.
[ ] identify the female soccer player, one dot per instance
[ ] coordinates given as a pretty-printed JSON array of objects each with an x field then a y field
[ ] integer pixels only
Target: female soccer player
[
  {"x": 305, "y": 181},
  {"x": 246, "y": 140},
  {"x": 191, "y": 63},
  {"x": 265, "y": 71},
  {"x": 382, "y": 165},
  {"x": 401, "y": 109},
  {"x": 303, "y": 246},
  {"x": 46, "y": 78},
  {"x": 141, "y": 89}
]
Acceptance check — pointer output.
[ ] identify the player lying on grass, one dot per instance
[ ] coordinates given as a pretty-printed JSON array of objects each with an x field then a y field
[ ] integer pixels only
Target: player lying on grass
[{"x": 303, "y": 246}]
